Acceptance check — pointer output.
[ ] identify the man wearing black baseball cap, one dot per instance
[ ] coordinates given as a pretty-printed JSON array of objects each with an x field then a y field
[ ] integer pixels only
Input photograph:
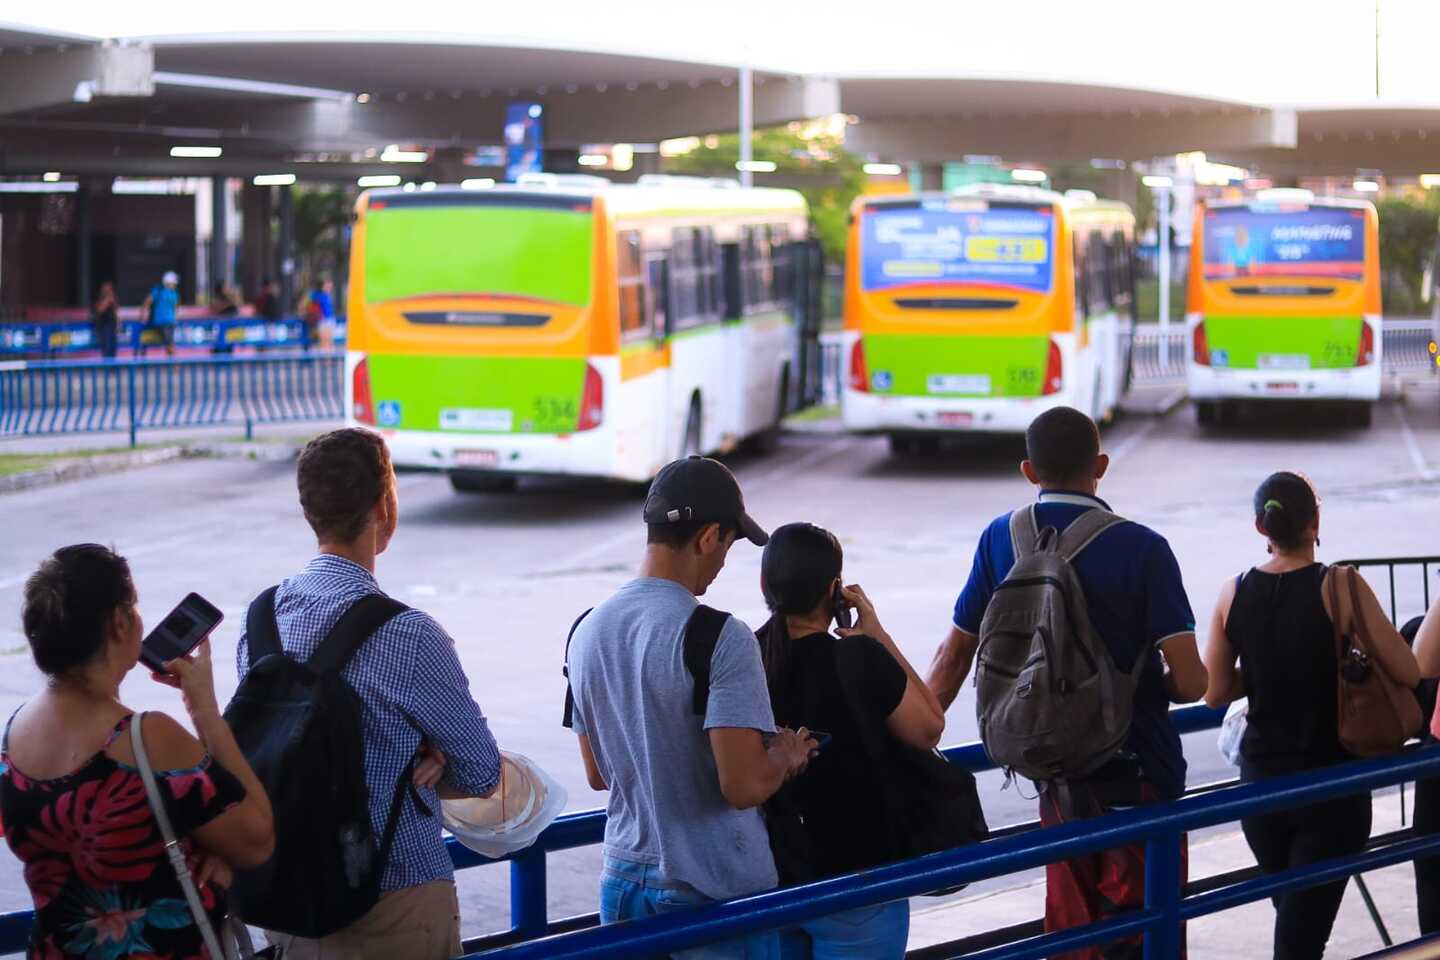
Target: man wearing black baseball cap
[{"x": 686, "y": 766}]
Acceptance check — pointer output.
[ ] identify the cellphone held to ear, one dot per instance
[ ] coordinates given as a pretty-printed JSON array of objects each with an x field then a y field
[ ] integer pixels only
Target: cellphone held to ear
[
  {"x": 843, "y": 616},
  {"x": 182, "y": 630}
]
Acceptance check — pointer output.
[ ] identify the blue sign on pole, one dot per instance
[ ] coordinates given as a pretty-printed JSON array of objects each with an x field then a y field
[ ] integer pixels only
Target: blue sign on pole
[{"x": 524, "y": 139}]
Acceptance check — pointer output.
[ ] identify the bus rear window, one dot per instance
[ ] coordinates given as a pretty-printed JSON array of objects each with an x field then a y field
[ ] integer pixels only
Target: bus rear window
[
  {"x": 944, "y": 242},
  {"x": 1300, "y": 242},
  {"x": 537, "y": 252}
]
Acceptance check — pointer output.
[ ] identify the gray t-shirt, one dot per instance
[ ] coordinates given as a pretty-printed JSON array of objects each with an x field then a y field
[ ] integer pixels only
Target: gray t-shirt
[{"x": 633, "y": 699}]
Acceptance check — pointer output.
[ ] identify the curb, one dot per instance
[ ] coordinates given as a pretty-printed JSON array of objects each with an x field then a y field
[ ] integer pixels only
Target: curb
[{"x": 80, "y": 468}]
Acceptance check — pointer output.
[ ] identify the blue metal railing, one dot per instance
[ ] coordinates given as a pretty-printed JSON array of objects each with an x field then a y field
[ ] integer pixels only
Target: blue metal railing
[
  {"x": 110, "y": 395},
  {"x": 1161, "y": 828},
  {"x": 216, "y": 334}
]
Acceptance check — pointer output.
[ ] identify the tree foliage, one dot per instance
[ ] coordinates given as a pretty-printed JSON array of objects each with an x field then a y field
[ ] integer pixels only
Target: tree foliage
[
  {"x": 837, "y": 176},
  {"x": 1407, "y": 248}
]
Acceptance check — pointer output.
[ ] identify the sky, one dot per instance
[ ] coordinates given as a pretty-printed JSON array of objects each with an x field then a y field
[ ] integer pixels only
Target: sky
[{"x": 1259, "y": 51}]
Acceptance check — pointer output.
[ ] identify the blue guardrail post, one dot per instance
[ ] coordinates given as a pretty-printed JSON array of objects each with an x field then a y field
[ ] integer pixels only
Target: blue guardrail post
[
  {"x": 527, "y": 893},
  {"x": 1162, "y": 895},
  {"x": 130, "y": 389}
]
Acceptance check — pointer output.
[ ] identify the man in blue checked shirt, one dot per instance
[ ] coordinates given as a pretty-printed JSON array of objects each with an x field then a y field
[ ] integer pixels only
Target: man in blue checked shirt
[{"x": 416, "y": 698}]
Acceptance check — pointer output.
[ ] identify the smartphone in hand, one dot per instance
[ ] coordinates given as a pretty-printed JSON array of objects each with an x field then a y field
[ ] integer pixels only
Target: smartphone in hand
[
  {"x": 822, "y": 739},
  {"x": 182, "y": 630},
  {"x": 844, "y": 616}
]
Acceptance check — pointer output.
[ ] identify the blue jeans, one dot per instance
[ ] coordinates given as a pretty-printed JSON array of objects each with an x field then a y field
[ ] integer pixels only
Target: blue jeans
[
  {"x": 871, "y": 933},
  {"x": 630, "y": 891}
]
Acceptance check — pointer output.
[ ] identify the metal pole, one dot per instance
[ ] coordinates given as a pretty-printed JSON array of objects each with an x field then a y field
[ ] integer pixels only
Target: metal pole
[
  {"x": 287, "y": 251},
  {"x": 1162, "y": 196},
  {"x": 1163, "y": 882},
  {"x": 747, "y": 125},
  {"x": 219, "y": 232},
  {"x": 85, "y": 280},
  {"x": 1374, "y": 911},
  {"x": 528, "y": 914}
]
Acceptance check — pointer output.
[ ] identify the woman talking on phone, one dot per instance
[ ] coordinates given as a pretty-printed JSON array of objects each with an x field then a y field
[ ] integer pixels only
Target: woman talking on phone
[
  {"x": 73, "y": 801},
  {"x": 859, "y": 696}
]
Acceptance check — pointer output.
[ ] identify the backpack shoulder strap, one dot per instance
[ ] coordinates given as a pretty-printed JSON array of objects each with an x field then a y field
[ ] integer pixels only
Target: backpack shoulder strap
[
  {"x": 567, "y": 720},
  {"x": 702, "y": 633},
  {"x": 262, "y": 636},
  {"x": 354, "y": 627},
  {"x": 1024, "y": 532},
  {"x": 1083, "y": 531}
]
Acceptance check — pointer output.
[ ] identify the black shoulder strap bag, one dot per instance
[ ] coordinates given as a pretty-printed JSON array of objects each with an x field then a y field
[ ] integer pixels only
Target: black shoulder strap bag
[{"x": 930, "y": 803}]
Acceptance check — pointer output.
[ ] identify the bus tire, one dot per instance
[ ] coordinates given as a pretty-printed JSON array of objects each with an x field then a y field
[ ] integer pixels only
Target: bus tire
[
  {"x": 1361, "y": 414},
  {"x": 902, "y": 444},
  {"x": 473, "y": 481},
  {"x": 691, "y": 441},
  {"x": 1206, "y": 413}
]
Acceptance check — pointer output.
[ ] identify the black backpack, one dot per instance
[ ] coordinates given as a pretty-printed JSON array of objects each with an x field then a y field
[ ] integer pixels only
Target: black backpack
[
  {"x": 702, "y": 632},
  {"x": 300, "y": 725}
]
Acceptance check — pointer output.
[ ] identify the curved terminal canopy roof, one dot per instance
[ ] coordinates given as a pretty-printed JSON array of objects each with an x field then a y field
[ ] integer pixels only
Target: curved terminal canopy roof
[{"x": 116, "y": 87}]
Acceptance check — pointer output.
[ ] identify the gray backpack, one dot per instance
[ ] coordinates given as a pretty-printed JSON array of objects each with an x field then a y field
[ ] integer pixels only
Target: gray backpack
[{"x": 1050, "y": 701}]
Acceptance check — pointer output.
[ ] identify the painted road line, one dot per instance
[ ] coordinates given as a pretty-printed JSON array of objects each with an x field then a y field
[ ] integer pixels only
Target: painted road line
[
  {"x": 1412, "y": 445},
  {"x": 1126, "y": 447}
]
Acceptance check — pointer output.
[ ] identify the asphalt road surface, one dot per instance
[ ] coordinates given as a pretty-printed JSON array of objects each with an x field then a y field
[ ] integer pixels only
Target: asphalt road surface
[{"x": 508, "y": 573}]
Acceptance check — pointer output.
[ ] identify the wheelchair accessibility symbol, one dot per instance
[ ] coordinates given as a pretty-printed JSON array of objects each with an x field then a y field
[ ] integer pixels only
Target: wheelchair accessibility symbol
[{"x": 388, "y": 413}]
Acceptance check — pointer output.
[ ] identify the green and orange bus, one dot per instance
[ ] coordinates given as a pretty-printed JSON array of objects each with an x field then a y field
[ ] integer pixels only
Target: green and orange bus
[
  {"x": 977, "y": 310},
  {"x": 1283, "y": 302},
  {"x": 564, "y": 325}
]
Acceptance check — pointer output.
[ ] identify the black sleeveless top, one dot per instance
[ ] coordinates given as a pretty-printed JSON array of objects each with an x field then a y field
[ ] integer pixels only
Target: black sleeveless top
[{"x": 1290, "y": 664}]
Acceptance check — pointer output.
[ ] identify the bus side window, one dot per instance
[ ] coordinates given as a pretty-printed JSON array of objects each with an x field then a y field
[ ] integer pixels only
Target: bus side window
[
  {"x": 712, "y": 300},
  {"x": 1094, "y": 265},
  {"x": 1082, "y": 280},
  {"x": 636, "y": 322},
  {"x": 757, "y": 269},
  {"x": 659, "y": 294},
  {"x": 730, "y": 271},
  {"x": 783, "y": 286}
]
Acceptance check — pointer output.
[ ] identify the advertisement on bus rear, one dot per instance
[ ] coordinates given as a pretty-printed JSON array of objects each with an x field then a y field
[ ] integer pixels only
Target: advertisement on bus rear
[
  {"x": 937, "y": 243},
  {"x": 1310, "y": 242}
]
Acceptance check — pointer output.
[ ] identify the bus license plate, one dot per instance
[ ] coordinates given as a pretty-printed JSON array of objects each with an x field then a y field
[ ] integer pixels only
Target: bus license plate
[
  {"x": 958, "y": 383},
  {"x": 477, "y": 458},
  {"x": 955, "y": 418},
  {"x": 477, "y": 419},
  {"x": 1283, "y": 361}
]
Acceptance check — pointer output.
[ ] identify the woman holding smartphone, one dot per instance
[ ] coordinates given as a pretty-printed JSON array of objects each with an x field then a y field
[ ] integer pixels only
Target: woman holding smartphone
[
  {"x": 856, "y": 687},
  {"x": 72, "y": 800}
]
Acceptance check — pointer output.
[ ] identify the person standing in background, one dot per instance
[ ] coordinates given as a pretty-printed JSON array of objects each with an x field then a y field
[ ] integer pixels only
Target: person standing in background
[
  {"x": 161, "y": 306},
  {"x": 105, "y": 316}
]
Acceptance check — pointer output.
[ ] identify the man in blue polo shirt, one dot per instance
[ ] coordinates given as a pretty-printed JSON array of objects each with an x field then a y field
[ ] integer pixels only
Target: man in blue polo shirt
[{"x": 1137, "y": 605}]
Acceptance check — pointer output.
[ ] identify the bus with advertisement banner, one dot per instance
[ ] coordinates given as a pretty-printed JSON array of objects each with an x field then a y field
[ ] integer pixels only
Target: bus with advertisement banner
[
  {"x": 976, "y": 310},
  {"x": 1283, "y": 303},
  {"x": 564, "y": 325}
]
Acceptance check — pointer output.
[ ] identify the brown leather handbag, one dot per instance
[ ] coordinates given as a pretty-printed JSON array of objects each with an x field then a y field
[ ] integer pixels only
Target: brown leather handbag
[{"x": 1377, "y": 715}]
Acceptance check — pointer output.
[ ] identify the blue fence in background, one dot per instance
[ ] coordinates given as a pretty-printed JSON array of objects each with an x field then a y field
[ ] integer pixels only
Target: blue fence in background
[
  {"x": 216, "y": 334},
  {"x": 132, "y": 395}
]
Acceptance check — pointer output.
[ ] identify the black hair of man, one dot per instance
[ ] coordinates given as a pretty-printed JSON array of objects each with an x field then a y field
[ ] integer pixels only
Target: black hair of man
[
  {"x": 678, "y": 536},
  {"x": 341, "y": 476},
  {"x": 1062, "y": 445}
]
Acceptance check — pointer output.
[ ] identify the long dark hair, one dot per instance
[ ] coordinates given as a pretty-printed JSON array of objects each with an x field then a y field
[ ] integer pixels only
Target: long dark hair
[{"x": 797, "y": 570}]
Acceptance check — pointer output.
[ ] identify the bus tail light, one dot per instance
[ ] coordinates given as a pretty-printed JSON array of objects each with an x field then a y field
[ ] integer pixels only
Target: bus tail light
[
  {"x": 1054, "y": 370},
  {"x": 1366, "y": 354},
  {"x": 362, "y": 406},
  {"x": 859, "y": 377},
  {"x": 592, "y": 400},
  {"x": 1201, "y": 344}
]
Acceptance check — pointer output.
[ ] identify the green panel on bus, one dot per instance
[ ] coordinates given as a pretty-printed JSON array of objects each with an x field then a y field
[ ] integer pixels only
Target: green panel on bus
[
  {"x": 479, "y": 394},
  {"x": 536, "y": 253},
  {"x": 1240, "y": 342},
  {"x": 916, "y": 365}
]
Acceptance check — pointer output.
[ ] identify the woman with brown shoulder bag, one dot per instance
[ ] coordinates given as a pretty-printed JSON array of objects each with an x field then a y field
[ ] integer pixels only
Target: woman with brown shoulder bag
[{"x": 1329, "y": 679}]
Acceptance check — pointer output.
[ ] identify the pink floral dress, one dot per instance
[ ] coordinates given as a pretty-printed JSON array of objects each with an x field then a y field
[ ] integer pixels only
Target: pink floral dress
[{"x": 95, "y": 862}]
